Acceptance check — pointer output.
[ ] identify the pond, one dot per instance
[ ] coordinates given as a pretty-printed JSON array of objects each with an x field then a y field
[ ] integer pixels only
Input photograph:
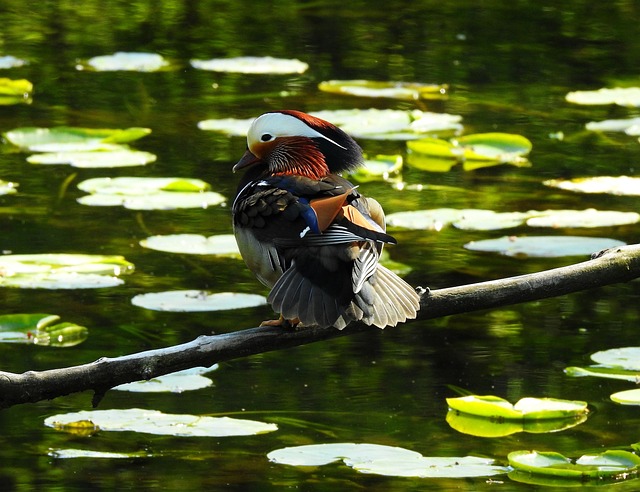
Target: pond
[{"x": 508, "y": 69}]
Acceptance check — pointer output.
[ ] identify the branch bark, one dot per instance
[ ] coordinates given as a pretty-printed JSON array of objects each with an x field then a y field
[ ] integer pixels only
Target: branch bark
[{"x": 608, "y": 267}]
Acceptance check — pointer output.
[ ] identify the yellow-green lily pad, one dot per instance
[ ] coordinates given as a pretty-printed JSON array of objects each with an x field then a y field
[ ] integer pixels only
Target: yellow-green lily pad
[
  {"x": 194, "y": 244},
  {"x": 252, "y": 65},
  {"x": 159, "y": 423},
  {"x": 40, "y": 329},
  {"x": 622, "y": 96},
  {"x": 8, "y": 187},
  {"x": 407, "y": 91},
  {"x": 612, "y": 185},
  {"x": 197, "y": 300},
  {"x": 125, "y": 61},
  {"x": 525, "y": 409},
  {"x": 381, "y": 167},
  {"x": 603, "y": 372},
  {"x": 176, "y": 382},
  {"x": 630, "y": 126},
  {"x": 627, "y": 397},
  {"x": 614, "y": 464},
  {"x": 70, "y": 453},
  {"x": 582, "y": 218},
  {"x": 386, "y": 460},
  {"x": 627, "y": 358},
  {"x": 76, "y": 139},
  {"x": 543, "y": 246},
  {"x": 20, "y": 88},
  {"x": 117, "y": 157}
]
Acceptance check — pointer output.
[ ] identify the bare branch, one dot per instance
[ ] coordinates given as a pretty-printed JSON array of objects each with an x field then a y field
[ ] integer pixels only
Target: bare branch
[{"x": 609, "y": 267}]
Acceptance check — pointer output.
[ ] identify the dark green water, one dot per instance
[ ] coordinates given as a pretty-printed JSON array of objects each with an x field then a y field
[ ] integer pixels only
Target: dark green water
[{"x": 509, "y": 67}]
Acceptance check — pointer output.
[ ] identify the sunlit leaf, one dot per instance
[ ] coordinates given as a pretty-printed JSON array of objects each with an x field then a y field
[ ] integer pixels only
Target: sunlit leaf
[
  {"x": 407, "y": 91},
  {"x": 9, "y": 61},
  {"x": 155, "y": 422},
  {"x": 40, "y": 329},
  {"x": 609, "y": 464},
  {"x": 252, "y": 65},
  {"x": 141, "y": 186},
  {"x": 194, "y": 244},
  {"x": 622, "y": 96},
  {"x": 382, "y": 167},
  {"x": 16, "y": 88},
  {"x": 197, "y": 300},
  {"x": 101, "y": 159},
  {"x": 230, "y": 126},
  {"x": 631, "y": 126},
  {"x": 55, "y": 280},
  {"x": 603, "y": 372},
  {"x": 627, "y": 358},
  {"x": 488, "y": 220},
  {"x": 86, "y": 453},
  {"x": 136, "y": 62},
  {"x": 490, "y": 406},
  {"x": 628, "y": 397},
  {"x": 612, "y": 185},
  {"x": 385, "y": 460},
  {"x": 543, "y": 246},
  {"x": 72, "y": 139},
  {"x": 177, "y": 382},
  {"x": 7, "y": 187},
  {"x": 434, "y": 219},
  {"x": 582, "y": 218}
]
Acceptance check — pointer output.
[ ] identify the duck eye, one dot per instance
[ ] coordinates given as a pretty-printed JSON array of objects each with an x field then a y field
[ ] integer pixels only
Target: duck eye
[{"x": 266, "y": 137}]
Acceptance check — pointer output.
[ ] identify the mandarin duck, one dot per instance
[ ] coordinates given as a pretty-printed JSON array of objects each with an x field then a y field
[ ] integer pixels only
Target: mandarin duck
[{"x": 307, "y": 233}]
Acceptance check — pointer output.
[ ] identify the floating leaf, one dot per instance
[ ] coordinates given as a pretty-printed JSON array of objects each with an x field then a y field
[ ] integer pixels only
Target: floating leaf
[
  {"x": 197, "y": 300},
  {"x": 614, "y": 464},
  {"x": 177, "y": 382},
  {"x": 194, "y": 244},
  {"x": 525, "y": 409},
  {"x": 501, "y": 147},
  {"x": 543, "y": 246},
  {"x": 7, "y": 187},
  {"x": 582, "y": 218},
  {"x": 149, "y": 193},
  {"x": 72, "y": 139},
  {"x": 382, "y": 167},
  {"x": 155, "y": 422},
  {"x": 16, "y": 88},
  {"x": 385, "y": 460},
  {"x": 40, "y": 329},
  {"x": 631, "y": 126},
  {"x": 622, "y": 96},
  {"x": 9, "y": 61},
  {"x": 85, "y": 453},
  {"x": 603, "y": 372},
  {"x": 62, "y": 271},
  {"x": 252, "y": 65},
  {"x": 407, "y": 91},
  {"x": 627, "y": 358},
  {"x": 135, "y": 62},
  {"x": 628, "y": 397},
  {"x": 230, "y": 126},
  {"x": 612, "y": 185},
  {"x": 434, "y": 219},
  {"x": 120, "y": 157}
]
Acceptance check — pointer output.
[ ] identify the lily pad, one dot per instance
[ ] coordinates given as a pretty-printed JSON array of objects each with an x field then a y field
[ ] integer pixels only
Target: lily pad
[
  {"x": 627, "y": 358},
  {"x": 86, "y": 453},
  {"x": 72, "y": 139},
  {"x": 385, "y": 460},
  {"x": 230, "y": 126},
  {"x": 382, "y": 167},
  {"x": 628, "y": 397},
  {"x": 125, "y": 61},
  {"x": 119, "y": 157},
  {"x": 582, "y": 218},
  {"x": 407, "y": 91},
  {"x": 197, "y": 300},
  {"x": 525, "y": 409},
  {"x": 194, "y": 244},
  {"x": 543, "y": 246},
  {"x": 16, "y": 88},
  {"x": 40, "y": 329},
  {"x": 62, "y": 271},
  {"x": 177, "y": 382},
  {"x": 155, "y": 422},
  {"x": 603, "y": 372},
  {"x": 610, "y": 464},
  {"x": 622, "y": 96},
  {"x": 7, "y": 187},
  {"x": 149, "y": 193},
  {"x": 612, "y": 185},
  {"x": 9, "y": 61},
  {"x": 252, "y": 65},
  {"x": 631, "y": 126}
]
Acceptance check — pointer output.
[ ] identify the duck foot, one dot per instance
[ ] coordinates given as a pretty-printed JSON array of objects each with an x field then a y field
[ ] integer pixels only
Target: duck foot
[{"x": 285, "y": 324}]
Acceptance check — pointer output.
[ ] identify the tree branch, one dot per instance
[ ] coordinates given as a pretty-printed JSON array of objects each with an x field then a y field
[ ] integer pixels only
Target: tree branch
[{"x": 608, "y": 267}]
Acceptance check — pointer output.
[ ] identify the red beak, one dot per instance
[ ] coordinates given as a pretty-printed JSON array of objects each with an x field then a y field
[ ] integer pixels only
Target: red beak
[{"x": 247, "y": 160}]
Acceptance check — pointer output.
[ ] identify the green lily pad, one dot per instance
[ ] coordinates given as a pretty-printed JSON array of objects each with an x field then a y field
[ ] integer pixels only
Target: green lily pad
[
  {"x": 627, "y": 358},
  {"x": 15, "y": 88},
  {"x": 627, "y": 397},
  {"x": 125, "y": 61},
  {"x": 149, "y": 193},
  {"x": 62, "y": 271},
  {"x": 543, "y": 246},
  {"x": 86, "y": 453},
  {"x": 622, "y": 96},
  {"x": 197, "y": 300},
  {"x": 194, "y": 244},
  {"x": 603, "y": 372},
  {"x": 385, "y": 460},
  {"x": 525, "y": 409},
  {"x": 7, "y": 187},
  {"x": 40, "y": 329},
  {"x": 407, "y": 91},
  {"x": 252, "y": 65},
  {"x": 582, "y": 218},
  {"x": 488, "y": 220},
  {"x": 382, "y": 167},
  {"x": 72, "y": 139},
  {"x": 118, "y": 157},
  {"x": 610, "y": 464},
  {"x": 630, "y": 126},
  {"x": 177, "y": 382},
  {"x": 9, "y": 61},
  {"x": 230, "y": 126},
  {"x": 159, "y": 423},
  {"x": 612, "y": 185}
]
